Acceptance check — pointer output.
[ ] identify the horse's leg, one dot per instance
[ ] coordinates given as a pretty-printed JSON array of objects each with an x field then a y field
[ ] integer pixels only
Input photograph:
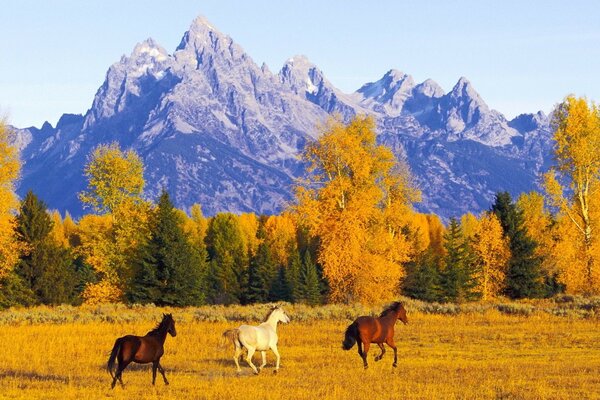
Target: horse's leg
[
  {"x": 118, "y": 377},
  {"x": 264, "y": 360},
  {"x": 162, "y": 371},
  {"x": 390, "y": 342},
  {"x": 276, "y": 352},
  {"x": 364, "y": 355},
  {"x": 154, "y": 367},
  {"x": 114, "y": 382},
  {"x": 379, "y": 357},
  {"x": 249, "y": 359},
  {"x": 236, "y": 357}
]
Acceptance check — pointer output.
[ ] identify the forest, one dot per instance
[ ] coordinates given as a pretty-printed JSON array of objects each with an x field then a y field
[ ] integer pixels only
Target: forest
[{"x": 352, "y": 234}]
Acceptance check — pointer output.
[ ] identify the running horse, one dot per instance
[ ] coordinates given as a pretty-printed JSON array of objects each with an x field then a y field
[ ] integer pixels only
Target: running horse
[
  {"x": 258, "y": 338},
  {"x": 142, "y": 350},
  {"x": 366, "y": 330}
]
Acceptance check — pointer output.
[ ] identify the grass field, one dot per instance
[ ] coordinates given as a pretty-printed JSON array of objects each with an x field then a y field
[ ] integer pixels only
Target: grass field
[{"x": 486, "y": 355}]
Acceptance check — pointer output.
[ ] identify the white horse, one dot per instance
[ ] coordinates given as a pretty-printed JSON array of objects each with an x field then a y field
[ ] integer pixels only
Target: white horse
[{"x": 258, "y": 338}]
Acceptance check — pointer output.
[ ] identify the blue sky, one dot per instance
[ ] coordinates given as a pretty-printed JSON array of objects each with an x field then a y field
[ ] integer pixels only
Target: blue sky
[{"x": 521, "y": 56}]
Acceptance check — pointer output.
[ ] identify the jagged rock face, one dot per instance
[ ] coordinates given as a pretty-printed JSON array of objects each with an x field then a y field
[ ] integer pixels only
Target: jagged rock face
[{"x": 216, "y": 129}]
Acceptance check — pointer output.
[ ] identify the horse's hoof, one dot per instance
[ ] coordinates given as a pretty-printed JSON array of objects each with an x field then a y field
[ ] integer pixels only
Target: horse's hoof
[
  {"x": 394, "y": 365},
  {"x": 275, "y": 371},
  {"x": 366, "y": 367}
]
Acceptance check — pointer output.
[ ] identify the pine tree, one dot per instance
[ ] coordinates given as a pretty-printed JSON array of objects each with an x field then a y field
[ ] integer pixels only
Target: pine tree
[
  {"x": 309, "y": 281},
  {"x": 46, "y": 268},
  {"x": 229, "y": 260},
  {"x": 422, "y": 280},
  {"x": 170, "y": 272},
  {"x": 280, "y": 289},
  {"x": 523, "y": 277},
  {"x": 293, "y": 272},
  {"x": 260, "y": 272},
  {"x": 457, "y": 281}
]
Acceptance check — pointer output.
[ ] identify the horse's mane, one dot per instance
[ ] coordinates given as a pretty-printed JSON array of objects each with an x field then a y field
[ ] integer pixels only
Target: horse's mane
[
  {"x": 161, "y": 325},
  {"x": 392, "y": 307},
  {"x": 266, "y": 318}
]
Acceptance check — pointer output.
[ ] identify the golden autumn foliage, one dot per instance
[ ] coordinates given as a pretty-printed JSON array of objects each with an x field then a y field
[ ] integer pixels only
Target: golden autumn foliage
[
  {"x": 356, "y": 200},
  {"x": 195, "y": 226},
  {"x": 102, "y": 292},
  {"x": 574, "y": 183},
  {"x": 113, "y": 176},
  {"x": 10, "y": 166},
  {"x": 280, "y": 234},
  {"x": 248, "y": 224},
  {"x": 491, "y": 252},
  {"x": 108, "y": 242}
]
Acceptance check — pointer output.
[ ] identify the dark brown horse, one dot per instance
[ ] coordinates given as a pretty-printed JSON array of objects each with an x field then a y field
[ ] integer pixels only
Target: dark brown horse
[
  {"x": 142, "y": 350},
  {"x": 366, "y": 330}
]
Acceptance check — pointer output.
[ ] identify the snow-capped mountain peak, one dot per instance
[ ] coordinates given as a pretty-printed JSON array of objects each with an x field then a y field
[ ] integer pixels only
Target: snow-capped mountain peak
[{"x": 215, "y": 128}]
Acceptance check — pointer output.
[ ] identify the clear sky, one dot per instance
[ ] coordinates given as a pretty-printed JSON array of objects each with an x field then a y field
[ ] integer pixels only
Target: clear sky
[{"x": 521, "y": 56}]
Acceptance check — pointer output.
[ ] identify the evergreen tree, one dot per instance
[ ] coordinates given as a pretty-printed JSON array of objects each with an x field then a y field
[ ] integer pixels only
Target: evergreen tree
[
  {"x": 456, "y": 279},
  {"x": 260, "y": 272},
  {"x": 293, "y": 272},
  {"x": 46, "y": 268},
  {"x": 229, "y": 261},
  {"x": 280, "y": 289},
  {"x": 422, "y": 279},
  {"x": 309, "y": 281},
  {"x": 15, "y": 292},
  {"x": 524, "y": 277},
  {"x": 170, "y": 271}
]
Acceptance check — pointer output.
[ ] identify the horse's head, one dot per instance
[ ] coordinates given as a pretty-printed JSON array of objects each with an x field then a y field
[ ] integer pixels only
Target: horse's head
[
  {"x": 401, "y": 312},
  {"x": 171, "y": 324},
  {"x": 280, "y": 314}
]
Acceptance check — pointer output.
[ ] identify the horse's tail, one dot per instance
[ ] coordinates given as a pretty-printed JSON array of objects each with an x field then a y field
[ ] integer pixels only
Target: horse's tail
[
  {"x": 113, "y": 356},
  {"x": 351, "y": 336},
  {"x": 234, "y": 336}
]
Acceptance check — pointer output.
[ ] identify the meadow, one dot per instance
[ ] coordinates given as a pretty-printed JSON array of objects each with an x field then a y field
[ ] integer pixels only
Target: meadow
[{"x": 535, "y": 350}]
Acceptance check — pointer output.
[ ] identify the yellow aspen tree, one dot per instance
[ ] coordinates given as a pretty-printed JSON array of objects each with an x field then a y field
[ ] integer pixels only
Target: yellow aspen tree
[
  {"x": 70, "y": 229},
  {"x": 10, "y": 166},
  {"x": 97, "y": 245},
  {"x": 113, "y": 177},
  {"x": 436, "y": 234},
  {"x": 419, "y": 225},
  {"x": 280, "y": 235},
  {"x": 469, "y": 225},
  {"x": 195, "y": 226},
  {"x": 248, "y": 223},
  {"x": 491, "y": 252},
  {"x": 115, "y": 188},
  {"x": 565, "y": 256},
  {"x": 573, "y": 183},
  {"x": 354, "y": 200},
  {"x": 58, "y": 229}
]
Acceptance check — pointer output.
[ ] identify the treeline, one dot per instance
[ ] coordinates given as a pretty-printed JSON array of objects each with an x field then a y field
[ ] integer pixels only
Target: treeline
[
  {"x": 184, "y": 260},
  {"x": 351, "y": 235}
]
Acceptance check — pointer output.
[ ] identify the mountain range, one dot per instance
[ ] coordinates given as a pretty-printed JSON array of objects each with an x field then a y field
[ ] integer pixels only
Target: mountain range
[{"x": 215, "y": 128}]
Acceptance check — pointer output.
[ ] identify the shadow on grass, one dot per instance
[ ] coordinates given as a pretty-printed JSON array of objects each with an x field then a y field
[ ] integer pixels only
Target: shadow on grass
[{"x": 34, "y": 376}]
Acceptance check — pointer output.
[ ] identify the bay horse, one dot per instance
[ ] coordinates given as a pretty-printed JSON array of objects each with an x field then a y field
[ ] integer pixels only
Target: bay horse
[
  {"x": 142, "y": 350},
  {"x": 366, "y": 330},
  {"x": 262, "y": 338}
]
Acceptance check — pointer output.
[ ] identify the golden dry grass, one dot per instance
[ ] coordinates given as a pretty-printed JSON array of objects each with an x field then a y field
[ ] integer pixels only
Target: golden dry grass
[{"x": 468, "y": 356}]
